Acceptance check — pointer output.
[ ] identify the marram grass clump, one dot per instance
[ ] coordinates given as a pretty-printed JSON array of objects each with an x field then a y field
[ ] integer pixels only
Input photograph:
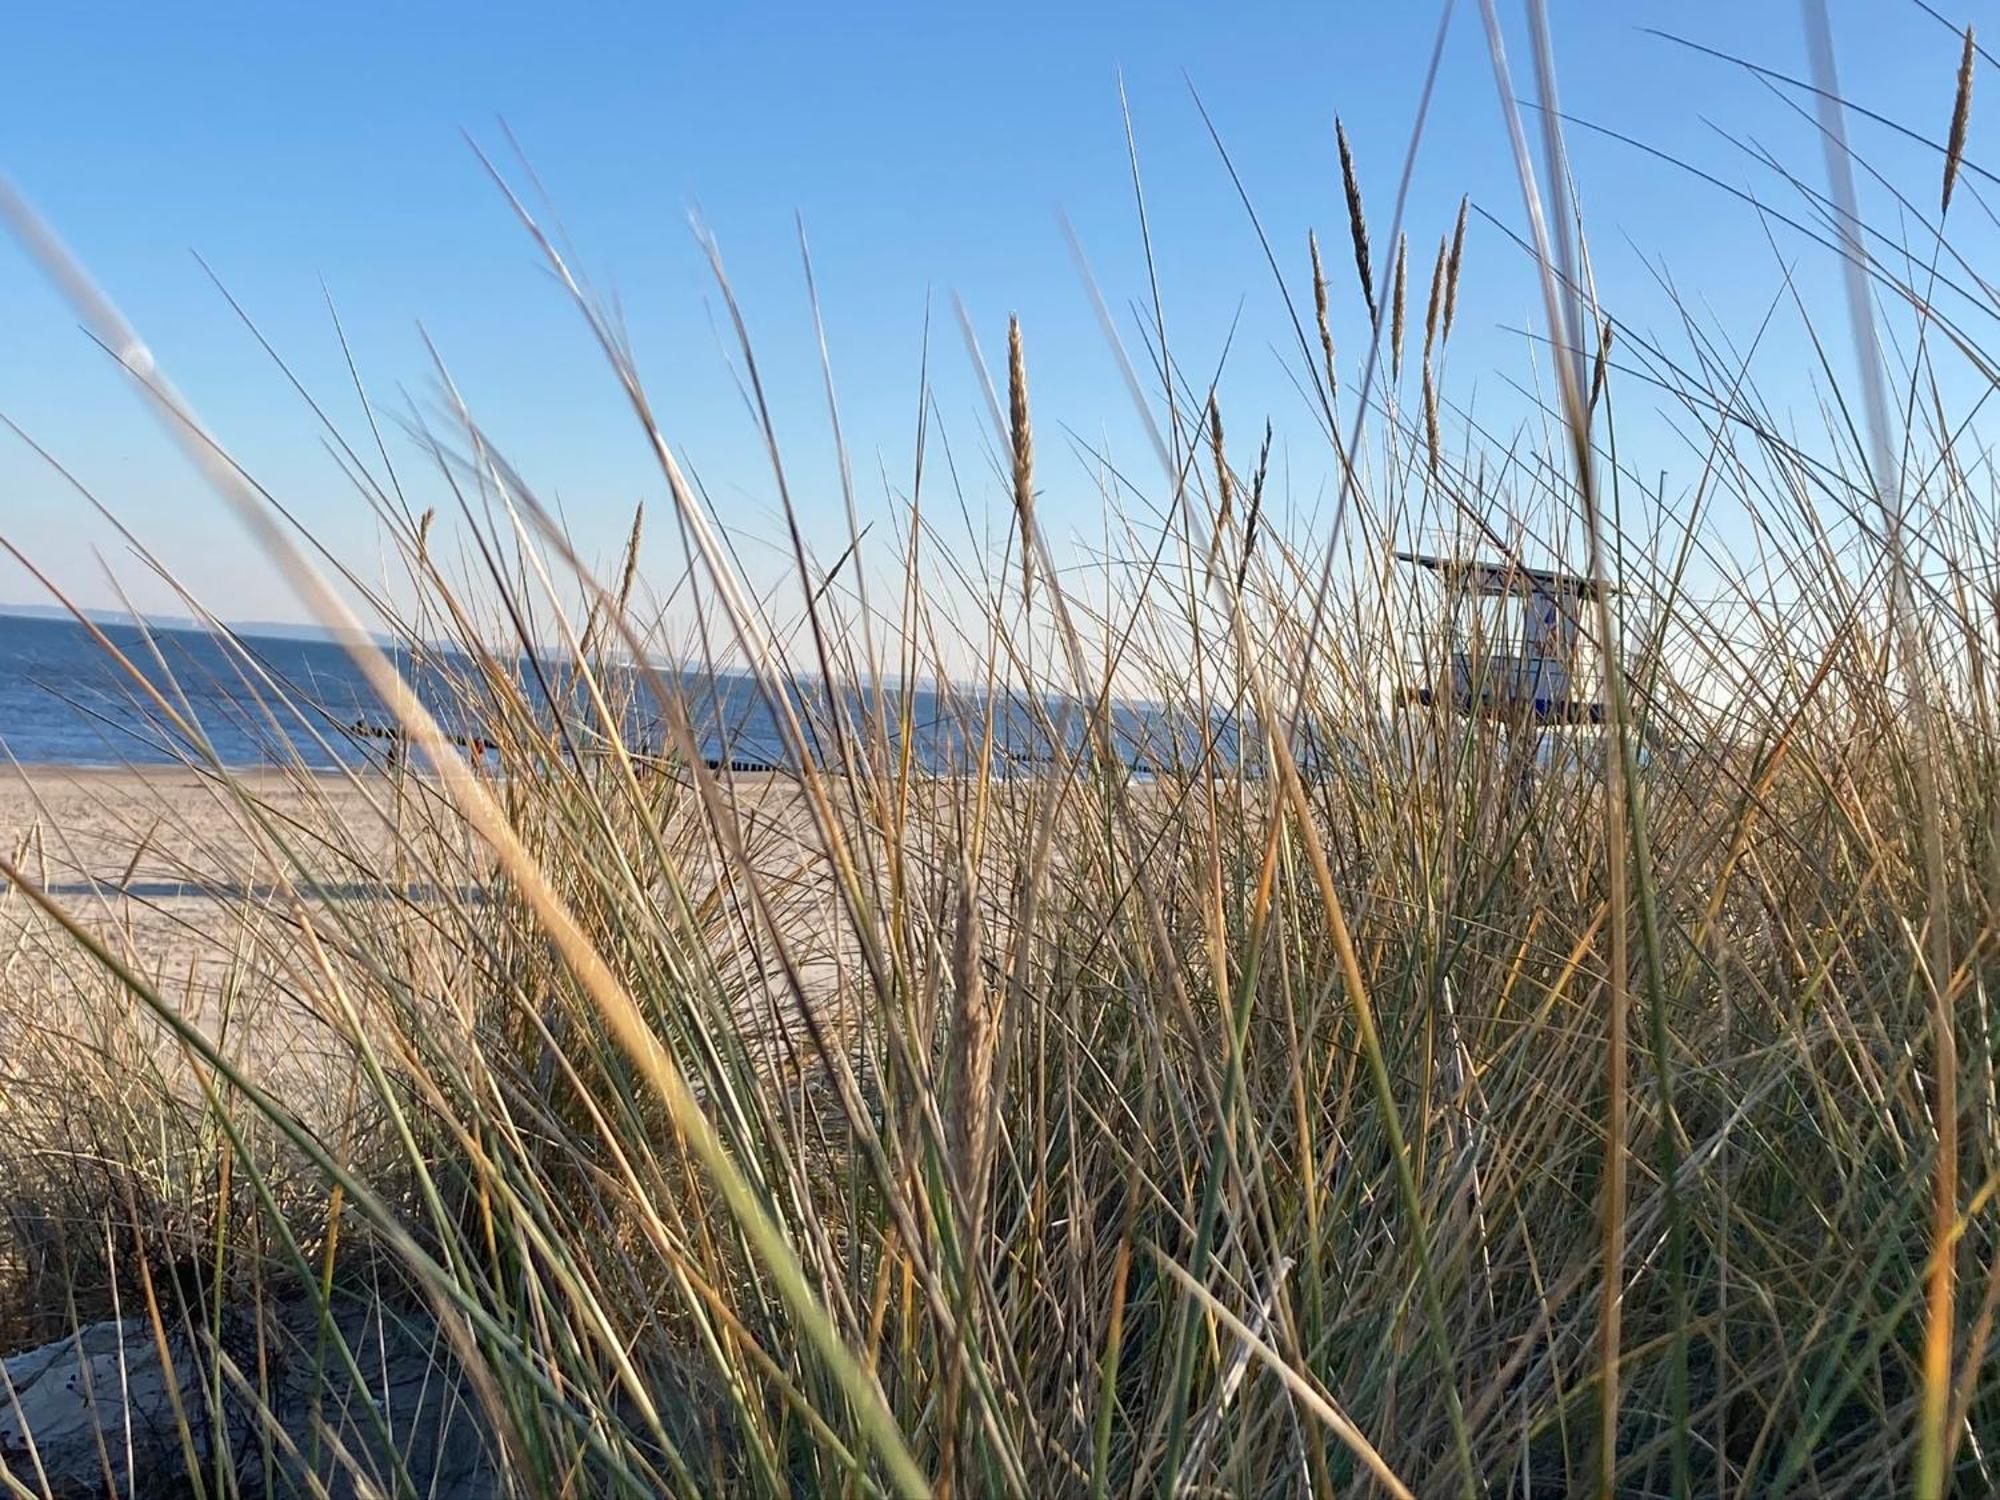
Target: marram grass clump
[{"x": 1262, "y": 1119}]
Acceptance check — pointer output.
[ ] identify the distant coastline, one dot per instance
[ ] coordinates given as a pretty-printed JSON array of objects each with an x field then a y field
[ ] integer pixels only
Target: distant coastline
[{"x": 270, "y": 629}]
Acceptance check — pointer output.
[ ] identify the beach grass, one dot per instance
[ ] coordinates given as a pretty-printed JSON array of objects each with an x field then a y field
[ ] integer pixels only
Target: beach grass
[{"x": 1360, "y": 1097}]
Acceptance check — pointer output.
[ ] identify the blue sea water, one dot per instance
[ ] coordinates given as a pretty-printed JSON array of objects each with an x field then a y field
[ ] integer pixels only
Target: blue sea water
[
  {"x": 66, "y": 700},
  {"x": 260, "y": 700}
]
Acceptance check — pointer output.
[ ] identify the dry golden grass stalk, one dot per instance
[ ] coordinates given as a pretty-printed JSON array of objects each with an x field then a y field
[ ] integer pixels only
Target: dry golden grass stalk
[
  {"x": 975, "y": 1039},
  {"x": 1256, "y": 507},
  {"x": 1319, "y": 313},
  {"x": 1451, "y": 267},
  {"x": 1961, "y": 114},
  {"x": 1430, "y": 414},
  {"x": 1023, "y": 437},
  {"x": 1357, "y": 221},
  {"x": 1225, "y": 490},
  {"x": 1435, "y": 305},
  {"x": 605, "y": 614},
  {"x": 630, "y": 575},
  {"x": 1396, "y": 308}
]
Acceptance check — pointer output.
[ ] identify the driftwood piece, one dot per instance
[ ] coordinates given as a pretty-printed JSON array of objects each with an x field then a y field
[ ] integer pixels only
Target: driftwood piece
[{"x": 102, "y": 1412}]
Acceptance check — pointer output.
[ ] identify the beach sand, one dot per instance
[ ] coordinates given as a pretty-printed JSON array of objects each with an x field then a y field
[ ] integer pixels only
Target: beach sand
[
  {"x": 152, "y": 859},
  {"x": 201, "y": 885},
  {"x": 169, "y": 871}
]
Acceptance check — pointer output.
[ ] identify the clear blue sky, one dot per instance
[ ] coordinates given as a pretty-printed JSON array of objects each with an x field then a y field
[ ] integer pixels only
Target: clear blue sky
[{"x": 928, "y": 149}]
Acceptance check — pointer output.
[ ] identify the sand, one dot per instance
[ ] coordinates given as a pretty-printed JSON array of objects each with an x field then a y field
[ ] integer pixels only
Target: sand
[
  {"x": 190, "y": 887},
  {"x": 154, "y": 857}
]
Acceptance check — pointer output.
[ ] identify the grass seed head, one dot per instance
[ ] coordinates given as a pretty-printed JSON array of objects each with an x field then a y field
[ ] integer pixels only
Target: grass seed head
[{"x": 1357, "y": 220}]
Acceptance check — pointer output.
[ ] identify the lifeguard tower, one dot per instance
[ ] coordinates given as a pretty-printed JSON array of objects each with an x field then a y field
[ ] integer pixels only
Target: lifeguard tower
[{"x": 1513, "y": 644}]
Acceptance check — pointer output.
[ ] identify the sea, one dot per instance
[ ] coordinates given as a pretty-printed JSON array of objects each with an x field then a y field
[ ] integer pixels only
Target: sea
[{"x": 67, "y": 699}]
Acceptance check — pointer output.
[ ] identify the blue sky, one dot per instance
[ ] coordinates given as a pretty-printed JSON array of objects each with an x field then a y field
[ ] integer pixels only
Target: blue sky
[{"x": 929, "y": 151}]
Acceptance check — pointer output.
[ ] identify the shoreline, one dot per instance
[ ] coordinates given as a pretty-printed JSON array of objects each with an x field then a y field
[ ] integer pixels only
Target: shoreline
[{"x": 49, "y": 770}]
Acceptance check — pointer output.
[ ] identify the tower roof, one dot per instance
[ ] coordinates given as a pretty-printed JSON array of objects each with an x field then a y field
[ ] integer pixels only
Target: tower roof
[{"x": 1484, "y": 577}]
